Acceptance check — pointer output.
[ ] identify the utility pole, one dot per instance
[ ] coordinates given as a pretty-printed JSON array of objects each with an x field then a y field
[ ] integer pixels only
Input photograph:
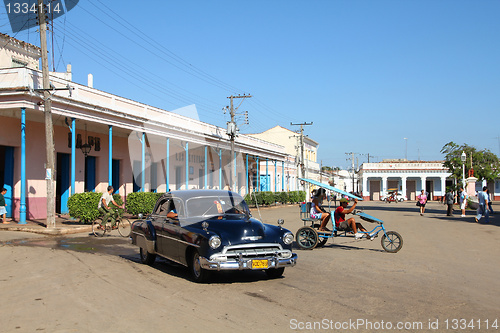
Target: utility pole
[
  {"x": 49, "y": 134},
  {"x": 352, "y": 166},
  {"x": 232, "y": 129},
  {"x": 301, "y": 146},
  {"x": 321, "y": 171}
]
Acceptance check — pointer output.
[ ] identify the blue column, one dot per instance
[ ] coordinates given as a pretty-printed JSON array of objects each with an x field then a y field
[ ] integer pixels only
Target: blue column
[
  {"x": 73, "y": 155},
  {"x": 257, "y": 187},
  {"x": 282, "y": 176},
  {"x": 267, "y": 173},
  {"x": 167, "y": 171},
  {"x": 22, "y": 208},
  {"x": 275, "y": 176},
  {"x": 246, "y": 175},
  {"x": 206, "y": 168},
  {"x": 110, "y": 157},
  {"x": 187, "y": 165},
  {"x": 220, "y": 169},
  {"x": 143, "y": 162}
]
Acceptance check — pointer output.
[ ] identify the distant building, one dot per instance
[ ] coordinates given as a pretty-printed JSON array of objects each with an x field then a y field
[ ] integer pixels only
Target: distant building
[
  {"x": 291, "y": 142},
  {"x": 408, "y": 177}
]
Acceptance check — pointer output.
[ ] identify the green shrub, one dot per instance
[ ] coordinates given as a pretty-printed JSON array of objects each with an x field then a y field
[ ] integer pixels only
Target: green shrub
[
  {"x": 283, "y": 197},
  {"x": 270, "y": 198},
  {"x": 83, "y": 206},
  {"x": 142, "y": 202}
]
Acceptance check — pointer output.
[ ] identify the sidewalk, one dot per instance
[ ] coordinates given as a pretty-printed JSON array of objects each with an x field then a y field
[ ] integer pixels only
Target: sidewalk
[{"x": 64, "y": 225}]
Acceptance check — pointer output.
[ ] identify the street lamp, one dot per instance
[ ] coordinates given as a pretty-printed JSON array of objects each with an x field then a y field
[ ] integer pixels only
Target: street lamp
[
  {"x": 406, "y": 149},
  {"x": 463, "y": 157}
]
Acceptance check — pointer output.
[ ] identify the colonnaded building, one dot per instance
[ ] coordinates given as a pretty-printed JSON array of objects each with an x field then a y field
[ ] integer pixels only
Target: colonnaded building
[
  {"x": 103, "y": 139},
  {"x": 409, "y": 178}
]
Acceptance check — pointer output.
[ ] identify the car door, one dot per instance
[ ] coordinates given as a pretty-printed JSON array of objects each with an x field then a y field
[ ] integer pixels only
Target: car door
[
  {"x": 171, "y": 230},
  {"x": 158, "y": 219}
]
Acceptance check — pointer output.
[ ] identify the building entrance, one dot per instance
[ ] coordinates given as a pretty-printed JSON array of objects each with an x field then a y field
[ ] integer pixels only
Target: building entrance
[
  {"x": 7, "y": 175},
  {"x": 62, "y": 183}
]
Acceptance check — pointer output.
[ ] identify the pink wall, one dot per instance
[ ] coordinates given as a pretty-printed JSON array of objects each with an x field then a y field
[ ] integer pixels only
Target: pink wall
[{"x": 36, "y": 200}]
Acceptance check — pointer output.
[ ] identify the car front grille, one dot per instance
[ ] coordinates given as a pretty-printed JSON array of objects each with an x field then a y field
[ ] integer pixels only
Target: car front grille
[{"x": 248, "y": 251}]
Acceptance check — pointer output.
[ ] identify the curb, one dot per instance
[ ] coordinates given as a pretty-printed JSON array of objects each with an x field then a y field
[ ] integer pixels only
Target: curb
[{"x": 52, "y": 231}]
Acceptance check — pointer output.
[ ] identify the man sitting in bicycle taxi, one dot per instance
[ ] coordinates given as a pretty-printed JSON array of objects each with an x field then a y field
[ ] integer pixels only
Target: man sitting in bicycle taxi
[
  {"x": 350, "y": 224},
  {"x": 318, "y": 212},
  {"x": 104, "y": 207}
]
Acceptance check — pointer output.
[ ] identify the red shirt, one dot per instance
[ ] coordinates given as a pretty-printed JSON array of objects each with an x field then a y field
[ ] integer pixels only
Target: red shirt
[{"x": 339, "y": 212}]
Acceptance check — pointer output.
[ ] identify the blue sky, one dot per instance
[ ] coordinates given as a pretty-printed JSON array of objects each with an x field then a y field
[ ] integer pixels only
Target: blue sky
[{"x": 367, "y": 73}]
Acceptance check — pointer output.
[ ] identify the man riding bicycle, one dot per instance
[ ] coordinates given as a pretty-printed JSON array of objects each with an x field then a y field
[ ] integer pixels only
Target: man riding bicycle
[{"x": 105, "y": 208}]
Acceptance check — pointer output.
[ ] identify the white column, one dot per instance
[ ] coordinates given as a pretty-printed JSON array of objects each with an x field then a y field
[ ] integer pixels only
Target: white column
[
  {"x": 443, "y": 186},
  {"x": 383, "y": 190},
  {"x": 403, "y": 186},
  {"x": 365, "y": 192},
  {"x": 423, "y": 179}
]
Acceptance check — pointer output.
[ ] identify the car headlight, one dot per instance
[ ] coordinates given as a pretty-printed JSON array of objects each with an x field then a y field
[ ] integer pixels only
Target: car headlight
[
  {"x": 214, "y": 242},
  {"x": 288, "y": 238}
]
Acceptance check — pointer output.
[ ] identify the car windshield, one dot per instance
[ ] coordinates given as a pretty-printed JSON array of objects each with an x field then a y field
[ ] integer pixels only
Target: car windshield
[{"x": 207, "y": 206}]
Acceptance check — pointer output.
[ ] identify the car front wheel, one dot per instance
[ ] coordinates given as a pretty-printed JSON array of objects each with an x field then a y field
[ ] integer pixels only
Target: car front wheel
[
  {"x": 146, "y": 257},
  {"x": 198, "y": 274},
  {"x": 274, "y": 273}
]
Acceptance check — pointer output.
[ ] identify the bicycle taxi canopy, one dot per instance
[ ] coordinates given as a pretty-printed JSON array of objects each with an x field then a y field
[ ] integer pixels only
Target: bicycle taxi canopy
[{"x": 331, "y": 188}]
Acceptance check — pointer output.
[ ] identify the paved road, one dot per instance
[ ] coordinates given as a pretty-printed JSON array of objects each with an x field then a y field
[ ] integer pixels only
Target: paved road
[{"x": 448, "y": 269}]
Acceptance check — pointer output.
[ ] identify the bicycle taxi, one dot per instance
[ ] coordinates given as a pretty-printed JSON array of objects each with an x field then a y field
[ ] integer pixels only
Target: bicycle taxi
[{"x": 308, "y": 237}]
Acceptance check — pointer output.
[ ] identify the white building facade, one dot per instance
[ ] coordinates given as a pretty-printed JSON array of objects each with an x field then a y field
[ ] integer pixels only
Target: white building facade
[
  {"x": 408, "y": 177},
  {"x": 291, "y": 168}
]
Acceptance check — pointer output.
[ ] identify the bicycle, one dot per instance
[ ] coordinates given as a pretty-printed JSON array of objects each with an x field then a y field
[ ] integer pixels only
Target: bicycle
[{"x": 122, "y": 223}]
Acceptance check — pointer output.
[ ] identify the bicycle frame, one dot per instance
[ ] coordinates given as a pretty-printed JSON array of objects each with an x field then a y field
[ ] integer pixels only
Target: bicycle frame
[{"x": 366, "y": 217}]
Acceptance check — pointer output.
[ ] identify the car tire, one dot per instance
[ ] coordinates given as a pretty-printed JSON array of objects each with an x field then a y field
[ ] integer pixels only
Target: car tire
[
  {"x": 274, "y": 273},
  {"x": 146, "y": 257},
  {"x": 198, "y": 274}
]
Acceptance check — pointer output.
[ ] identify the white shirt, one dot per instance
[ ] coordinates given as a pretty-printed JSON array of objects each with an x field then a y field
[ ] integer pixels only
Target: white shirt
[{"x": 107, "y": 197}]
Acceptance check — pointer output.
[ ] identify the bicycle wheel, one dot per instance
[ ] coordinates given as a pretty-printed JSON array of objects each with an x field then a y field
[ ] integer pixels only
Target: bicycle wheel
[
  {"x": 306, "y": 238},
  {"x": 322, "y": 241},
  {"x": 97, "y": 229},
  {"x": 124, "y": 227},
  {"x": 392, "y": 241}
]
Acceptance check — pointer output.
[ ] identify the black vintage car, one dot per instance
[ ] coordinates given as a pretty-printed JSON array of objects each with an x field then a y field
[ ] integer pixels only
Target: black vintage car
[{"x": 212, "y": 230}]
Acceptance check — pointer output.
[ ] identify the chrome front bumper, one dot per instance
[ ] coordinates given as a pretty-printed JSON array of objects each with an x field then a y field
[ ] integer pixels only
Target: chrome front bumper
[{"x": 244, "y": 263}]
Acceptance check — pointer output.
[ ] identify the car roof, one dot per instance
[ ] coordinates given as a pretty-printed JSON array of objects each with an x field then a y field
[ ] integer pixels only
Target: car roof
[{"x": 187, "y": 194}]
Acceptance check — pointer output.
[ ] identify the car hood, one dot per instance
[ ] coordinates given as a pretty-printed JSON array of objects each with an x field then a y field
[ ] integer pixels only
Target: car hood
[{"x": 234, "y": 230}]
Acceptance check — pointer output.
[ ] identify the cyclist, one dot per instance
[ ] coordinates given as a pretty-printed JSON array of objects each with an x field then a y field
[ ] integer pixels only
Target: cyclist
[
  {"x": 349, "y": 224},
  {"x": 105, "y": 208}
]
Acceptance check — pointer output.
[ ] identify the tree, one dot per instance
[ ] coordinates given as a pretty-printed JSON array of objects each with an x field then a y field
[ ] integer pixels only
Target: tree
[{"x": 486, "y": 165}]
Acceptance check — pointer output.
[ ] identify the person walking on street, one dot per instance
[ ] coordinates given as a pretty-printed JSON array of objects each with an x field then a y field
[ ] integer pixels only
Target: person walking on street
[
  {"x": 449, "y": 200},
  {"x": 462, "y": 200},
  {"x": 422, "y": 200},
  {"x": 3, "y": 210},
  {"x": 482, "y": 209},
  {"x": 489, "y": 201}
]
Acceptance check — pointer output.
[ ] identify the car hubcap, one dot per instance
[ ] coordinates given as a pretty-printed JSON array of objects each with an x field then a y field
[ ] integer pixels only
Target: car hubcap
[{"x": 196, "y": 265}]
